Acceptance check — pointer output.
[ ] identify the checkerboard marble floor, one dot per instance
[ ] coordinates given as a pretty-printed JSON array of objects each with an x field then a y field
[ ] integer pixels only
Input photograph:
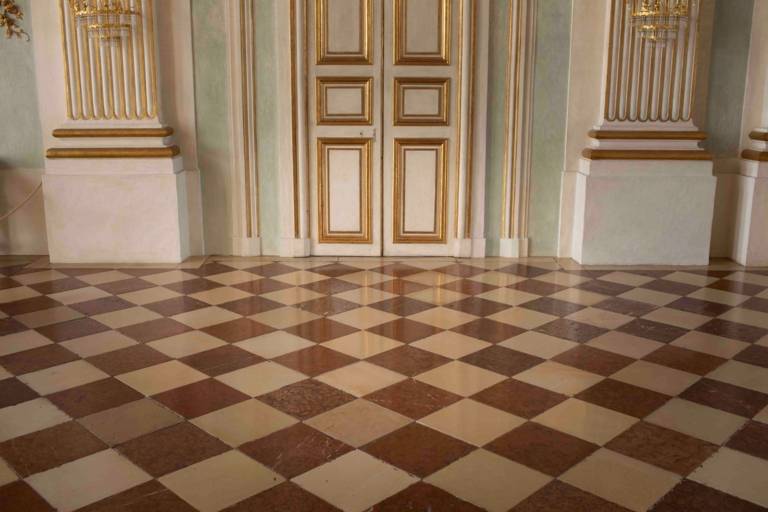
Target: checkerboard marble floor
[{"x": 375, "y": 384}]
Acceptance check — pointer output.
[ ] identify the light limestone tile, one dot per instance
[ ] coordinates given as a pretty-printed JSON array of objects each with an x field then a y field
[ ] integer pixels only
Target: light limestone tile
[
  {"x": 578, "y": 296},
  {"x": 355, "y": 481},
  {"x": 7, "y": 475},
  {"x": 233, "y": 475},
  {"x": 762, "y": 416},
  {"x": 274, "y": 344},
  {"x": 443, "y": 318},
  {"x": 360, "y": 378},
  {"x": 562, "y": 278},
  {"x": 439, "y": 296},
  {"x": 586, "y": 421},
  {"x": 460, "y": 378},
  {"x": 129, "y": 421},
  {"x": 172, "y": 276},
  {"x": 719, "y": 296},
  {"x": 18, "y": 293},
  {"x": 472, "y": 422},
  {"x": 450, "y": 344},
  {"x": 500, "y": 279},
  {"x": 434, "y": 279},
  {"x": 39, "y": 277},
  {"x": 559, "y": 378},
  {"x": 98, "y": 343},
  {"x": 362, "y": 344},
  {"x": 86, "y": 480},
  {"x": 30, "y": 416},
  {"x": 538, "y": 344},
  {"x": 363, "y": 318},
  {"x": 205, "y": 317},
  {"x": 104, "y": 277},
  {"x": 243, "y": 422},
  {"x": 710, "y": 344},
  {"x": 291, "y": 296},
  {"x": 186, "y": 343},
  {"x": 508, "y": 296},
  {"x": 280, "y": 318},
  {"x": 621, "y": 479},
  {"x": 697, "y": 420},
  {"x": 234, "y": 277},
  {"x": 63, "y": 376},
  {"x": 626, "y": 278},
  {"x": 625, "y": 344},
  {"x": 485, "y": 479},
  {"x": 748, "y": 277},
  {"x": 522, "y": 317},
  {"x": 79, "y": 295},
  {"x": 600, "y": 318},
  {"x": 735, "y": 473},
  {"x": 678, "y": 318},
  {"x": 747, "y": 316},
  {"x": 656, "y": 377},
  {"x": 742, "y": 374},
  {"x": 688, "y": 278},
  {"x": 261, "y": 378},
  {"x": 19, "y": 341},
  {"x": 5, "y": 374},
  {"x": 126, "y": 317},
  {"x": 358, "y": 422},
  {"x": 364, "y": 278},
  {"x": 161, "y": 377},
  {"x": 299, "y": 277},
  {"x": 149, "y": 295},
  {"x": 649, "y": 296},
  {"x": 220, "y": 295},
  {"x": 48, "y": 316}
]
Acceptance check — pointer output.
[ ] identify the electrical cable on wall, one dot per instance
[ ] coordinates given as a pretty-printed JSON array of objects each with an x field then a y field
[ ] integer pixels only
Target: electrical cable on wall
[{"x": 26, "y": 199}]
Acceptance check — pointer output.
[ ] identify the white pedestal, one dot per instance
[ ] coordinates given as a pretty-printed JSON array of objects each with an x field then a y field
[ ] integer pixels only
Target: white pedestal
[
  {"x": 656, "y": 212},
  {"x": 750, "y": 247},
  {"x": 98, "y": 216}
]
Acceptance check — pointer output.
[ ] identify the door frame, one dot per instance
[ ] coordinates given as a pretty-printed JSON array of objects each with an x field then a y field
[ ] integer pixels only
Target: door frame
[{"x": 469, "y": 199}]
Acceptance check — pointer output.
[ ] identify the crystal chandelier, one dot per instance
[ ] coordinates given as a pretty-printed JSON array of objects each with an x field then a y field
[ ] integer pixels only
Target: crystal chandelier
[
  {"x": 659, "y": 21},
  {"x": 106, "y": 20}
]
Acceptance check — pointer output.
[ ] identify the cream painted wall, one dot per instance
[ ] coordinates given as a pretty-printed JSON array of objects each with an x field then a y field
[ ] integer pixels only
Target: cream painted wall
[{"x": 21, "y": 146}]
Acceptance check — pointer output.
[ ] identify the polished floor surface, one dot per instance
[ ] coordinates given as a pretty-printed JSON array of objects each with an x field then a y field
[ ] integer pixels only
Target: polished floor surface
[{"x": 373, "y": 384}]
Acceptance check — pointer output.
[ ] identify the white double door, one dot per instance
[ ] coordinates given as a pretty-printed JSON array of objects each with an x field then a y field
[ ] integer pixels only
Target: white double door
[{"x": 384, "y": 111}]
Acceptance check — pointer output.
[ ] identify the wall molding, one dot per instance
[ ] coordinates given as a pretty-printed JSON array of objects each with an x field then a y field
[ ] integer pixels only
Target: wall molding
[
  {"x": 242, "y": 53},
  {"x": 518, "y": 106}
]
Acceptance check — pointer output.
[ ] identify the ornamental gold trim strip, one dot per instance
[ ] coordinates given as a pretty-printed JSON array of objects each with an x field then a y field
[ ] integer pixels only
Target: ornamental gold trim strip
[
  {"x": 63, "y": 133},
  {"x": 294, "y": 121},
  {"x": 756, "y": 135},
  {"x": 362, "y": 84},
  {"x": 108, "y": 79},
  {"x": 438, "y": 234},
  {"x": 364, "y": 234},
  {"x": 163, "y": 152},
  {"x": 470, "y": 120},
  {"x": 752, "y": 154},
  {"x": 364, "y": 53},
  {"x": 403, "y": 84},
  {"x": 647, "y": 134},
  {"x": 400, "y": 52},
  {"x": 643, "y": 154}
]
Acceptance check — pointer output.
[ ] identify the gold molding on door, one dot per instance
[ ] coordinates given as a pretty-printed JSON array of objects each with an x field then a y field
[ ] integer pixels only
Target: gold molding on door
[
  {"x": 437, "y": 235},
  {"x": 363, "y": 56},
  {"x": 401, "y": 55},
  {"x": 325, "y": 235},
  {"x": 363, "y": 84},
  {"x": 403, "y": 84}
]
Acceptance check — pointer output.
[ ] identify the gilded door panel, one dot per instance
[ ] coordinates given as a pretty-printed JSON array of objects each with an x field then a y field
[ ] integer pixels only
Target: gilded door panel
[
  {"x": 344, "y": 100},
  {"x": 344, "y": 190},
  {"x": 422, "y": 32},
  {"x": 420, "y": 190},
  {"x": 344, "y": 31},
  {"x": 421, "y": 101}
]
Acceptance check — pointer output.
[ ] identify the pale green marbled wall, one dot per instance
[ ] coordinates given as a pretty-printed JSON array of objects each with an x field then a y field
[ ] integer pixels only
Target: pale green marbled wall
[
  {"x": 727, "y": 75},
  {"x": 549, "y": 113},
  {"x": 213, "y": 125},
  {"x": 21, "y": 143}
]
